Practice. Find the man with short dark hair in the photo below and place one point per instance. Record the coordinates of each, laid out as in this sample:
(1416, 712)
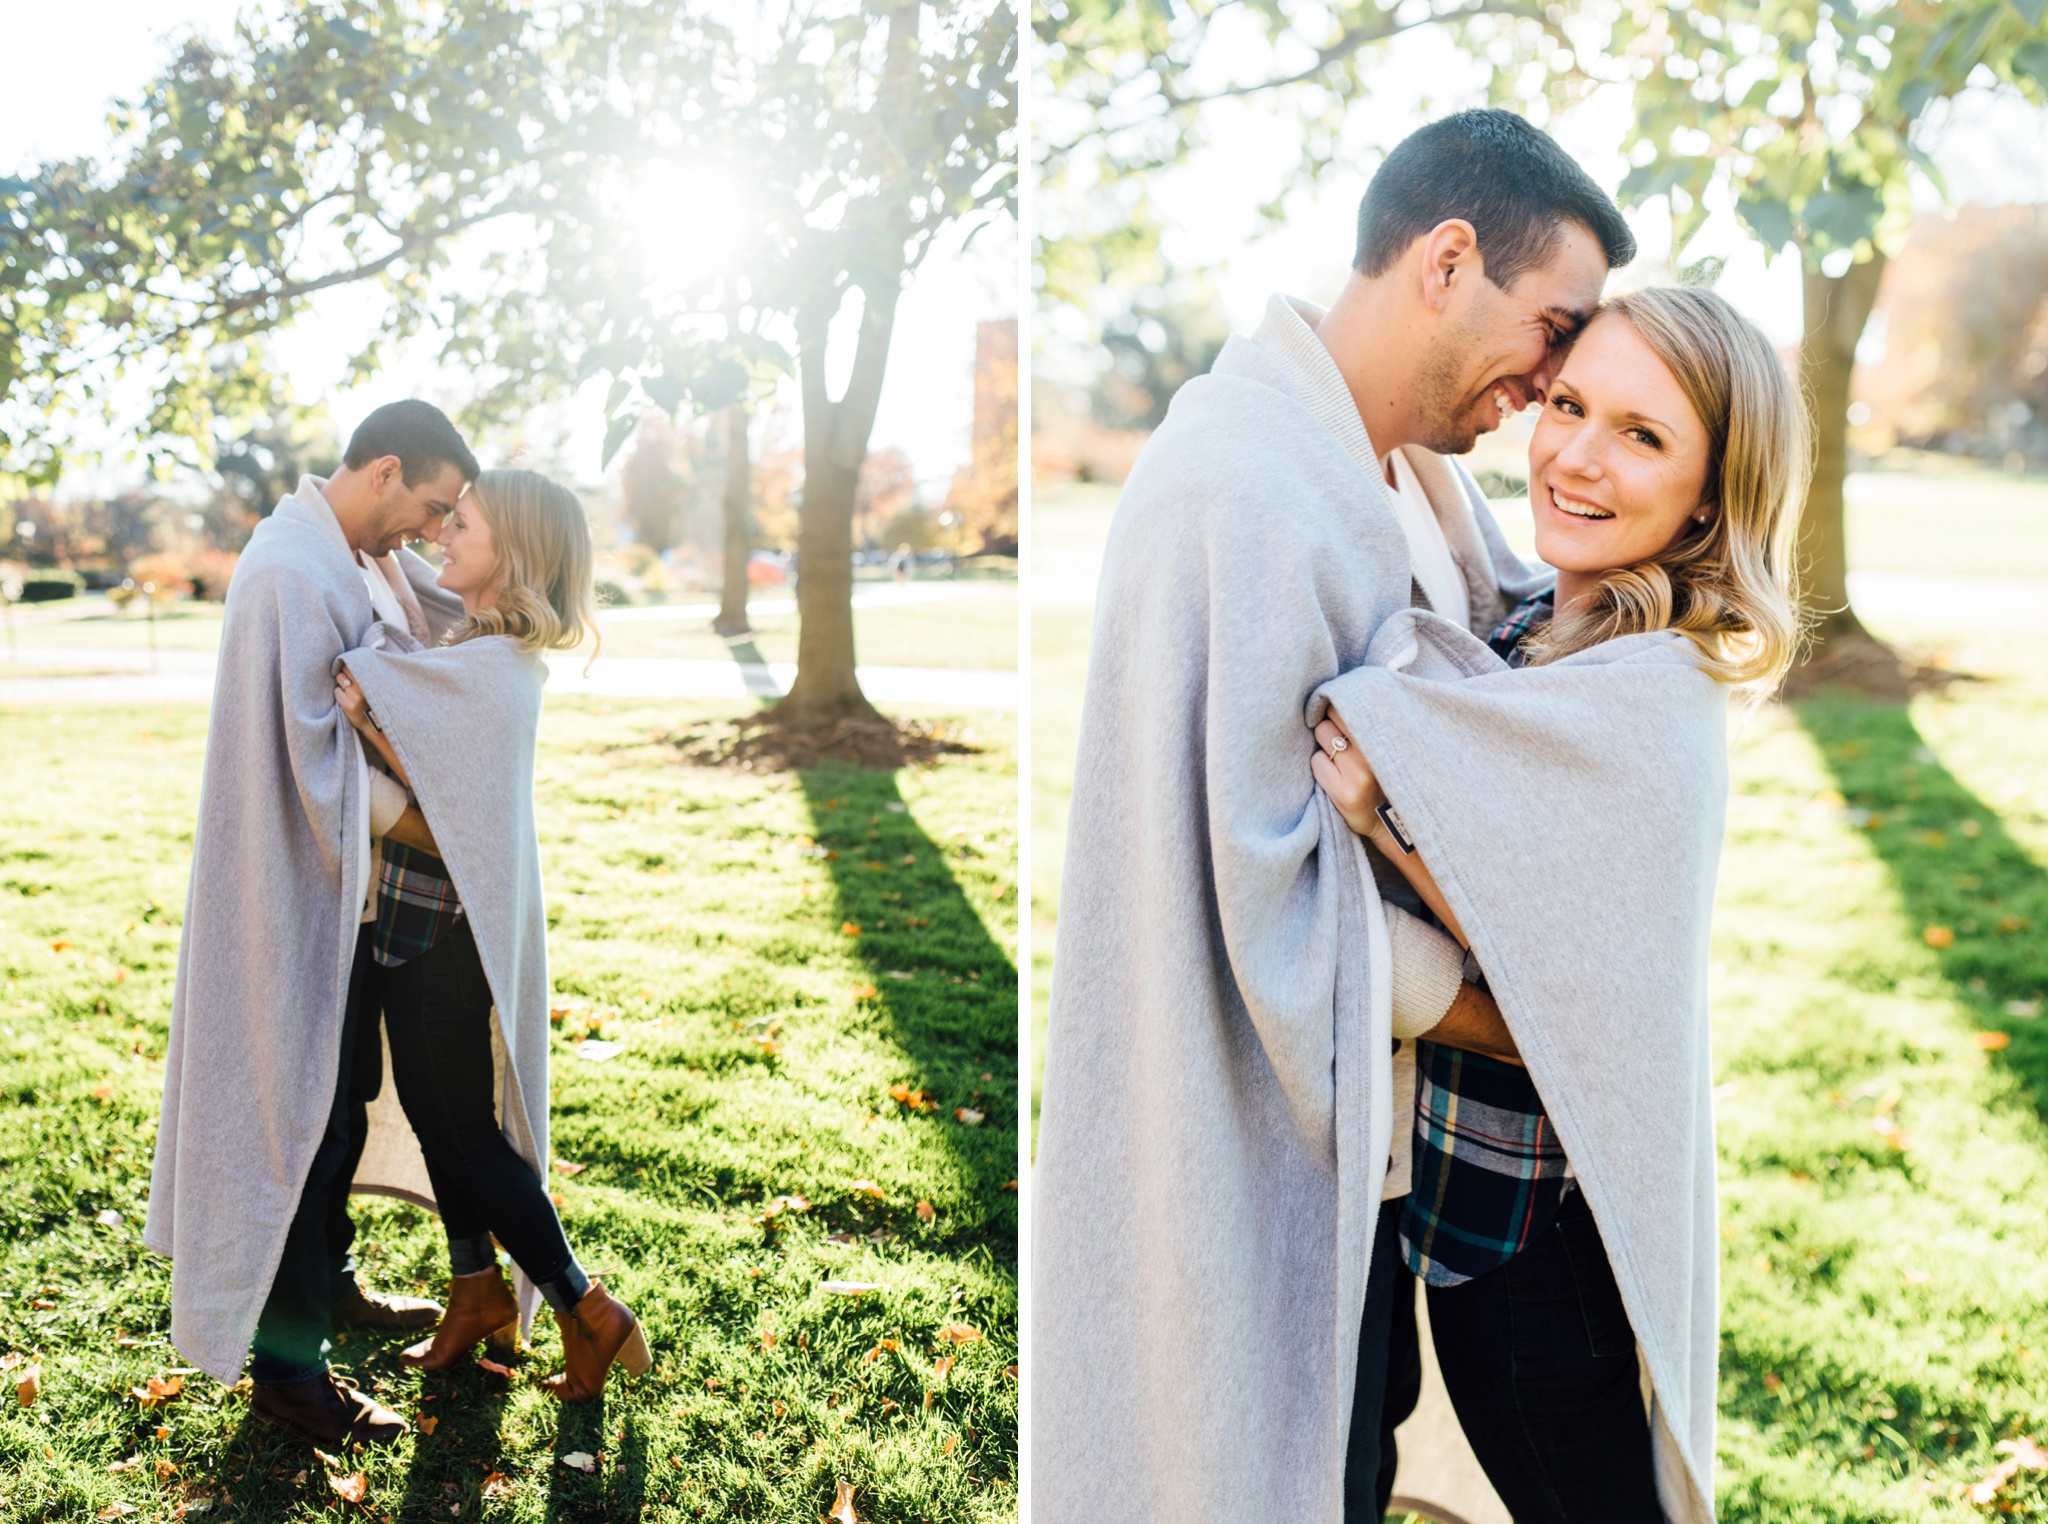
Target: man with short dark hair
(1229, 1072)
(274, 1062)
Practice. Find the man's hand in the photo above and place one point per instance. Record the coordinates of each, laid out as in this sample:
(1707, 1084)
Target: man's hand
(1474, 1024)
(411, 830)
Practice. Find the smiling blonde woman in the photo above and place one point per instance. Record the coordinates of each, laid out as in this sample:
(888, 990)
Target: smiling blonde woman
(1560, 1213)
(460, 941)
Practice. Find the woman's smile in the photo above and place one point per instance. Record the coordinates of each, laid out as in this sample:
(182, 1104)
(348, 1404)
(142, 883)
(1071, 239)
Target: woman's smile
(1576, 507)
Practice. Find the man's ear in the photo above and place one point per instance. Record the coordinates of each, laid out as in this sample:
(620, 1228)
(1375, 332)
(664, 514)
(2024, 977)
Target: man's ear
(1450, 260)
(386, 470)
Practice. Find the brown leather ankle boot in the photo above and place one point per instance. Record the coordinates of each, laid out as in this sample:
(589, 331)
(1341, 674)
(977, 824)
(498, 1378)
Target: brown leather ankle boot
(599, 1331)
(480, 1307)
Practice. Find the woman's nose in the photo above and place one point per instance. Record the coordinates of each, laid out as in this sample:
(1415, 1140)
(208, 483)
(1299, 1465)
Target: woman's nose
(1581, 456)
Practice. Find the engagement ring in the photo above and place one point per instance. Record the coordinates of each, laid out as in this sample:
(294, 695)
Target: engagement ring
(1340, 744)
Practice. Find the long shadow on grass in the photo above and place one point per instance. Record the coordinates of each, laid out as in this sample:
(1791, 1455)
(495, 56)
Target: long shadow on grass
(1970, 890)
(946, 992)
(468, 1406)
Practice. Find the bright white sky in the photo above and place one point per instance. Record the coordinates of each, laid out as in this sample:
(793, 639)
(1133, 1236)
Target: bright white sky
(1992, 151)
(68, 61)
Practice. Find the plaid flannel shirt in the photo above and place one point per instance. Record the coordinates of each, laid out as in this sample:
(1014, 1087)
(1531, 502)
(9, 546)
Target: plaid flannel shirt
(1489, 1173)
(416, 904)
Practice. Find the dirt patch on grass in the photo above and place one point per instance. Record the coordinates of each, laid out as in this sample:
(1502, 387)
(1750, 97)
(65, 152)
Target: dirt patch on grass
(749, 746)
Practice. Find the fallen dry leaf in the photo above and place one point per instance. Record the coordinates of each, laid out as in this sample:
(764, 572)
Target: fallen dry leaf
(298, 1478)
(967, 1116)
(28, 1385)
(1009, 1185)
(117, 1511)
(581, 1460)
(1938, 936)
(1010, 1371)
(165, 1470)
(103, 1093)
(886, 1347)
(2021, 1454)
(132, 1463)
(865, 992)
(198, 1502)
(564, 1167)
(868, 1188)
(428, 1424)
(162, 1432)
(943, 1364)
(849, 928)
(846, 1288)
(924, 1211)
(493, 1367)
(842, 1506)
(952, 1443)
(161, 1389)
(64, 947)
(1991, 1042)
(960, 1333)
(350, 1488)
(9, 1360)
(498, 1485)
(558, 1198)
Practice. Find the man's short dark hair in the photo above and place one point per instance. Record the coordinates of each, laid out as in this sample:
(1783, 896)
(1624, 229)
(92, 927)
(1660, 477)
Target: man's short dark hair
(1492, 169)
(418, 433)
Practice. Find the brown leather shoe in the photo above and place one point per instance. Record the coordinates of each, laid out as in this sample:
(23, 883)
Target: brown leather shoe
(480, 1306)
(374, 1309)
(600, 1330)
(329, 1411)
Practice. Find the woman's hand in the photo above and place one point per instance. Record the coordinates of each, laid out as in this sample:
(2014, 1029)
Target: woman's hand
(348, 697)
(1353, 787)
(1340, 767)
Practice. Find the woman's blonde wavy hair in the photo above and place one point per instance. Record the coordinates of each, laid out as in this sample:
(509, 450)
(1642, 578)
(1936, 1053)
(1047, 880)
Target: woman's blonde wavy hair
(1728, 585)
(547, 595)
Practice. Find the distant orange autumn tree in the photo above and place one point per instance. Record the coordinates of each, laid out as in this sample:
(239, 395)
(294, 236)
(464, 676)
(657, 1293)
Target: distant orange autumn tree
(1965, 364)
(984, 491)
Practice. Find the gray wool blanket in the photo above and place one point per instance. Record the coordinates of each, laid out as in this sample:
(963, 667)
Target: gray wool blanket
(465, 720)
(270, 929)
(1572, 815)
(1216, 1112)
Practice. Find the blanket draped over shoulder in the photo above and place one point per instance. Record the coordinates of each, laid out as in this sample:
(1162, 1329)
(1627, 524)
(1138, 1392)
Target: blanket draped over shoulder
(1216, 1104)
(465, 720)
(1572, 814)
(270, 931)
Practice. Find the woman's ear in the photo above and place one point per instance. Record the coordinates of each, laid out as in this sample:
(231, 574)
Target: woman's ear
(1704, 514)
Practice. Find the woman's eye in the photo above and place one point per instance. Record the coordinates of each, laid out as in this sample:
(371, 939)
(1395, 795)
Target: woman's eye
(1644, 436)
(1567, 406)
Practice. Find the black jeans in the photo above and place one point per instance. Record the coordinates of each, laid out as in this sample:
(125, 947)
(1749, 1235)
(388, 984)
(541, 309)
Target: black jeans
(292, 1331)
(1540, 1364)
(1389, 1375)
(437, 1013)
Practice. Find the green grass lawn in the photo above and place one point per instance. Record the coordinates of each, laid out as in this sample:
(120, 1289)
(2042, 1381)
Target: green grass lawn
(975, 630)
(973, 627)
(776, 953)
(1880, 997)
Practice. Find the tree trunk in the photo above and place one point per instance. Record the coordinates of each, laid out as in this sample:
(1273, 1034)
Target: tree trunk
(1843, 652)
(739, 491)
(826, 689)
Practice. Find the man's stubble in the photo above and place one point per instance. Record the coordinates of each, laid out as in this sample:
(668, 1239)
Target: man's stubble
(1443, 403)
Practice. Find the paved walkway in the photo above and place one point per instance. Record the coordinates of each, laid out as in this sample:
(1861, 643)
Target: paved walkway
(122, 676)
